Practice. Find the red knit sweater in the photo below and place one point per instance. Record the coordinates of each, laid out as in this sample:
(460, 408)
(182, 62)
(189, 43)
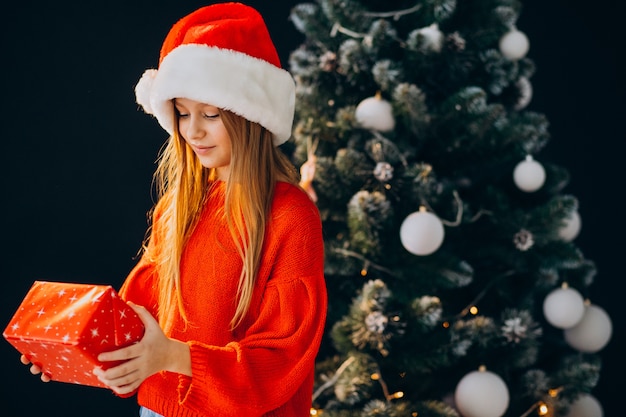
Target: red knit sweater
(266, 366)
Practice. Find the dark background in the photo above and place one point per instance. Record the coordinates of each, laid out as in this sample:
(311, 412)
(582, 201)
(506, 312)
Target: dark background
(78, 157)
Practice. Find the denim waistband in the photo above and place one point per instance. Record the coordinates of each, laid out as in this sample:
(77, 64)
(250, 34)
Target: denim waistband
(144, 412)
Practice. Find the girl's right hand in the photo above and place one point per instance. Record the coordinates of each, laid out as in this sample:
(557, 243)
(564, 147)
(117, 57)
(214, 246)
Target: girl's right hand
(34, 369)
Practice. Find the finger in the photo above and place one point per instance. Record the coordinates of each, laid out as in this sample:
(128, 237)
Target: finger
(117, 372)
(126, 389)
(119, 377)
(24, 360)
(143, 314)
(123, 354)
(34, 369)
(45, 377)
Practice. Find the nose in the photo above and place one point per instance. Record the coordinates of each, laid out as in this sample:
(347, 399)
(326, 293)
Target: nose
(194, 129)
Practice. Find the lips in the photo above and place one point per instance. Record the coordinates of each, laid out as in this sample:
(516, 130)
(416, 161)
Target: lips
(202, 149)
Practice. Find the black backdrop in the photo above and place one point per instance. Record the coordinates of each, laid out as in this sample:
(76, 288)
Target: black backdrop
(77, 156)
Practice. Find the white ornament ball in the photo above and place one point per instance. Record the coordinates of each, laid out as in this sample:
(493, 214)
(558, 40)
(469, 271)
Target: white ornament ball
(571, 228)
(564, 307)
(592, 333)
(421, 233)
(586, 405)
(514, 45)
(529, 175)
(481, 394)
(375, 113)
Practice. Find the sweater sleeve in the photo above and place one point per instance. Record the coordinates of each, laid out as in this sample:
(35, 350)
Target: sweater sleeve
(140, 286)
(265, 368)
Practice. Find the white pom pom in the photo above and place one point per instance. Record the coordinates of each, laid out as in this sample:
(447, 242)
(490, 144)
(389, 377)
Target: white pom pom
(481, 394)
(421, 233)
(143, 90)
(529, 175)
(564, 307)
(432, 36)
(514, 45)
(375, 113)
(593, 331)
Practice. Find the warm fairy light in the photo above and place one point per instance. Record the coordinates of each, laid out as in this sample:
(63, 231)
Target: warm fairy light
(554, 392)
(414, 414)
(388, 186)
(313, 412)
(375, 376)
(395, 318)
(473, 310)
(397, 395)
(445, 324)
(331, 102)
(366, 265)
(543, 409)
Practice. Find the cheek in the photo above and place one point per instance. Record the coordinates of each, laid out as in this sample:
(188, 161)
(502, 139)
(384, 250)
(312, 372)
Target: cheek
(182, 128)
(223, 136)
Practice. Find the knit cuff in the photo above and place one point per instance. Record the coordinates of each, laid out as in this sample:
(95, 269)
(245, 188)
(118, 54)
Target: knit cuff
(188, 394)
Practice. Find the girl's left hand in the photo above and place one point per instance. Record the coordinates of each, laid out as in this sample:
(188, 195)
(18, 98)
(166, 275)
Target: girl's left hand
(155, 352)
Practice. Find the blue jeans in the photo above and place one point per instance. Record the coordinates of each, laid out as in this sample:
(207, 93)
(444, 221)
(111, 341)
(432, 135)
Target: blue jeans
(144, 412)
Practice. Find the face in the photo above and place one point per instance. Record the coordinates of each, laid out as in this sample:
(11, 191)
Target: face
(201, 126)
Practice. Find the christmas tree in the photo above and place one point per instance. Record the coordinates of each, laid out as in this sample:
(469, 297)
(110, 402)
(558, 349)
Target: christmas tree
(456, 287)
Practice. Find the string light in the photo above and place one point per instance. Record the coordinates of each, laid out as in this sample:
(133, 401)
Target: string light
(367, 262)
(543, 409)
(445, 324)
(492, 282)
(554, 392)
(473, 310)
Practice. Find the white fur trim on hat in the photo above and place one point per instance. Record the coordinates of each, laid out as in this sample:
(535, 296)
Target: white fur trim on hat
(230, 80)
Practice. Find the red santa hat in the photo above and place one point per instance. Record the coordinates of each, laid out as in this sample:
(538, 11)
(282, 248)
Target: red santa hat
(221, 55)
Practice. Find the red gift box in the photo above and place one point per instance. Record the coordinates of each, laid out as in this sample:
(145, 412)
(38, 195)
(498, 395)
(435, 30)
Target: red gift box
(63, 327)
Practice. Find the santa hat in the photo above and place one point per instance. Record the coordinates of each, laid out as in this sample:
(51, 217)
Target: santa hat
(221, 55)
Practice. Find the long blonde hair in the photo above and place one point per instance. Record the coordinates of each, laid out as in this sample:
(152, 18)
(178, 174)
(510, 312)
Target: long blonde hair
(183, 184)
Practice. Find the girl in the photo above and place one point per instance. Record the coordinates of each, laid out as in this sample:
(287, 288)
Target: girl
(230, 284)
